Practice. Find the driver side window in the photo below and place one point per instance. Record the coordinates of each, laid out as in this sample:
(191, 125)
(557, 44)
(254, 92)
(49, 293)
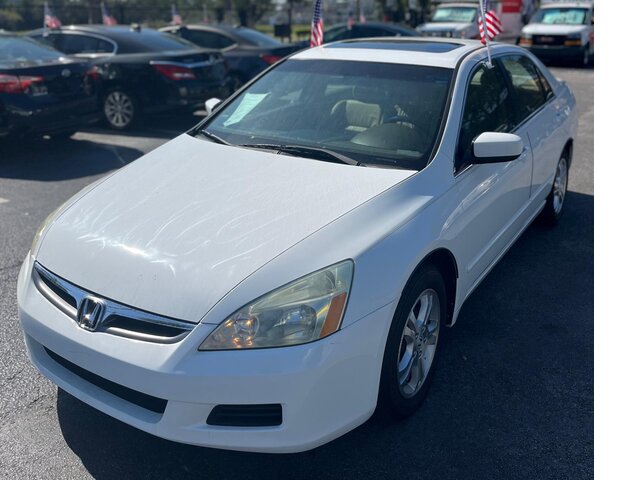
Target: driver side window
(485, 110)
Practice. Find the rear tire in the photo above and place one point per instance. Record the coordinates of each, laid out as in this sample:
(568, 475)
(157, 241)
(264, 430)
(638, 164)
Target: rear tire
(554, 206)
(120, 109)
(411, 352)
(585, 58)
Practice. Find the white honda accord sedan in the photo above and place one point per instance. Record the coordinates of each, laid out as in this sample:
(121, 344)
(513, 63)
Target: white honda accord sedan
(268, 279)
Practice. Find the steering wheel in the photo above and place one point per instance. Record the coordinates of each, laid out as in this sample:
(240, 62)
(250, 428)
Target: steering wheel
(401, 119)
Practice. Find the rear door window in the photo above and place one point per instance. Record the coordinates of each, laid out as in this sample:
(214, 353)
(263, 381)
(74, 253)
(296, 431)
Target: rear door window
(530, 91)
(74, 44)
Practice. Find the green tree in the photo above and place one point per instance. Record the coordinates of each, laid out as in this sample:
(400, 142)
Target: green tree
(250, 11)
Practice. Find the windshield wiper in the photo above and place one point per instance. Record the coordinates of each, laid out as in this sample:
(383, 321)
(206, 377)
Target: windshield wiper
(213, 137)
(317, 153)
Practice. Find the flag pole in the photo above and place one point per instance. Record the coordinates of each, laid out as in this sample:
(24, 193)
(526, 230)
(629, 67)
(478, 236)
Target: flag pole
(483, 16)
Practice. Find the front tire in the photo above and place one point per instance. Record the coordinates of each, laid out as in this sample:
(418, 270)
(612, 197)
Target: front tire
(120, 109)
(411, 351)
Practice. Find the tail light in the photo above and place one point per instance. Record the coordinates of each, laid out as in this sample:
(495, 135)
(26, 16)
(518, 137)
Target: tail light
(175, 72)
(18, 84)
(270, 59)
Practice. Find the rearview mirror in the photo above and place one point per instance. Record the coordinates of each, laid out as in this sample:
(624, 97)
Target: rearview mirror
(210, 104)
(494, 147)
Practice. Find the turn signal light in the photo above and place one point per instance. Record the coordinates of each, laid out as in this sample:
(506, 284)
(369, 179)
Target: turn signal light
(17, 84)
(175, 72)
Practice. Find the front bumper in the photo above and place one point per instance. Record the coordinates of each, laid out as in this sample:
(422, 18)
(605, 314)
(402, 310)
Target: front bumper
(326, 388)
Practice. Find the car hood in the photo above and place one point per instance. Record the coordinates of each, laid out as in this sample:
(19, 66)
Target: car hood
(176, 230)
(544, 29)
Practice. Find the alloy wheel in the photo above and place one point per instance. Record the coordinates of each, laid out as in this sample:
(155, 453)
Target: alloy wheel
(560, 186)
(118, 109)
(418, 343)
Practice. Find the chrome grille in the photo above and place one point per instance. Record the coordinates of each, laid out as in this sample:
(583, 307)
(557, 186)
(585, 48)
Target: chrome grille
(117, 319)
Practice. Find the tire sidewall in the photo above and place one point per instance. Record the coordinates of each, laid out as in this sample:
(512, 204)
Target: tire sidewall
(390, 399)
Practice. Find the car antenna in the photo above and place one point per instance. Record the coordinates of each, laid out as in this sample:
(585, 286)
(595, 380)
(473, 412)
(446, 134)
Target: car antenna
(495, 27)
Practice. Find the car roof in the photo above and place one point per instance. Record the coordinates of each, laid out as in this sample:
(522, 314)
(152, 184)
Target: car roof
(406, 50)
(116, 32)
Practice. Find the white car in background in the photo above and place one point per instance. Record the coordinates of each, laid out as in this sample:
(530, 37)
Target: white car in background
(561, 31)
(453, 20)
(267, 280)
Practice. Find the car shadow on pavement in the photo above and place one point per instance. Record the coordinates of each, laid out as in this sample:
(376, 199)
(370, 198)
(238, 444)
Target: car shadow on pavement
(54, 160)
(512, 397)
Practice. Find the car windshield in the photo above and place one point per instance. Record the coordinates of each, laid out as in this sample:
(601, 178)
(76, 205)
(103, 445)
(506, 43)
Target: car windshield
(455, 14)
(380, 114)
(15, 51)
(561, 16)
(256, 38)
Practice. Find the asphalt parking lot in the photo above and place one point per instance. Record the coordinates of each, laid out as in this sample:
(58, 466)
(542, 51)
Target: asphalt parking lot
(513, 394)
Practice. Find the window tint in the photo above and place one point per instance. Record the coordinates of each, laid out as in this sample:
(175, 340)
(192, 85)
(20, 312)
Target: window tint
(485, 110)
(49, 39)
(530, 93)
(335, 34)
(365, 31)
(254, 37)
(74, 44)
(15, 51)
(148, 40)
(209, 39)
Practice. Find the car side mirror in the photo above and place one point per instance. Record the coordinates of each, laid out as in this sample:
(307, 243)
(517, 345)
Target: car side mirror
(210, 104)
(495, 147)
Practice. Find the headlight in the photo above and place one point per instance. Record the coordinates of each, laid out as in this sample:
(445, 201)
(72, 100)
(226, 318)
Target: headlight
(302, 311)
(573, 40)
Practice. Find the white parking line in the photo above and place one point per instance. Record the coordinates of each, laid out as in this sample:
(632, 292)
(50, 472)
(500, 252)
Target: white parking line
(3, 200)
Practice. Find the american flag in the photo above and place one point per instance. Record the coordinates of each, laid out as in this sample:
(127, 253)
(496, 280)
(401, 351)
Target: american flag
(494, 25)
(107, 19)
(316, 25)
(176, 19)
(50, 19)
